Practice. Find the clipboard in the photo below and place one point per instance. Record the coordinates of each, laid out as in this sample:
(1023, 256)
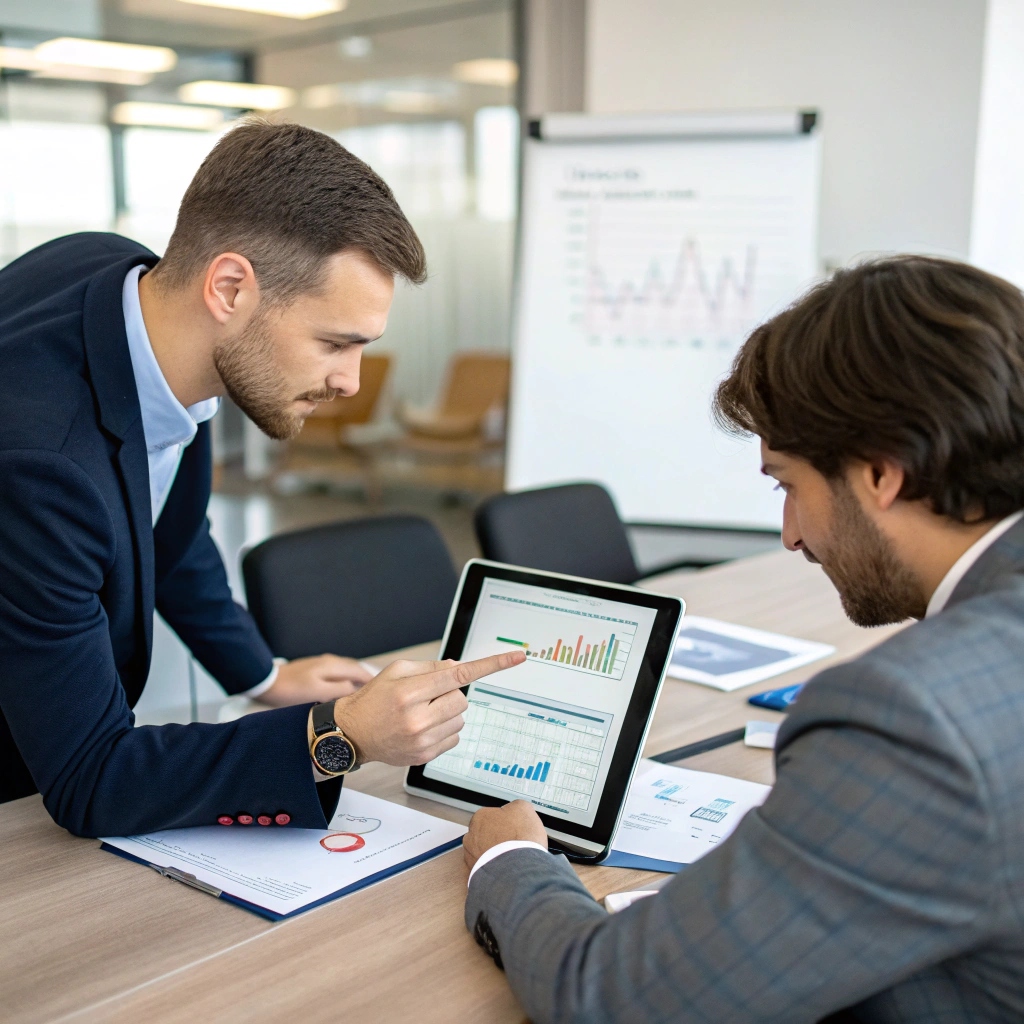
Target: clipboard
(189, 879)
(280, 872)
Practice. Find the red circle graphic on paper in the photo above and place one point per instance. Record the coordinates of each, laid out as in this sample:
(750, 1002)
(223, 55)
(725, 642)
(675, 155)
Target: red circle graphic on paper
(342, 842)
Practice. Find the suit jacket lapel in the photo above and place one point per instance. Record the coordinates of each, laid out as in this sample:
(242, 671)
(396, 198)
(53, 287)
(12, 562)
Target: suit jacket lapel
(113, 382)
(1006, 556)
(185, 508)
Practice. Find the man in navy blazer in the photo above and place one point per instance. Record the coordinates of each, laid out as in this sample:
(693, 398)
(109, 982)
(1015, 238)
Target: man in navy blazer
(280, 269)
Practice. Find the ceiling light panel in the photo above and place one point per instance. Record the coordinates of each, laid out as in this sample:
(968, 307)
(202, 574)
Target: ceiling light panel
(27, 60)
(239, 95)
(97, 53)
(413, 95)
(167, 115)
(356, 47)
(108, 76)
(487, 71)
(19, 59)
(300, 9)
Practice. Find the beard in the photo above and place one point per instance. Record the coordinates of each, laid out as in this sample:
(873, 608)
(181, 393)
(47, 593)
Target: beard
(253, 379)
(875, 587)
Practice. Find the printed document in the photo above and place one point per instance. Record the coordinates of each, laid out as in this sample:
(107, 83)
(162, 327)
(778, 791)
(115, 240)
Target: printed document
(678, 815)
(727, 656)
(286, 869)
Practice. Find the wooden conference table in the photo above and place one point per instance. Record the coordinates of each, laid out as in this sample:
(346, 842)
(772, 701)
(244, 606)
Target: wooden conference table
(87, 936)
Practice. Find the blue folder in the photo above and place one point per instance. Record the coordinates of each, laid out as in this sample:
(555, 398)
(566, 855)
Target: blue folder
(272, 915)
(630, 860)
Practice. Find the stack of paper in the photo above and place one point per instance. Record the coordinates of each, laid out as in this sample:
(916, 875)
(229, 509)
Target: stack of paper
(674, 816)
(278, 871)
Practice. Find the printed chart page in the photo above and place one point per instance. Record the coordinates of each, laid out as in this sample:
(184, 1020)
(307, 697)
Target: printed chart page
(284, 870)
(546, 730)
(676, 815)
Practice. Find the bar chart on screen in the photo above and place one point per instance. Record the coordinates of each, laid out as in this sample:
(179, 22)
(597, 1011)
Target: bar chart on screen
(532, 747)
(591, 656)
(577, 637)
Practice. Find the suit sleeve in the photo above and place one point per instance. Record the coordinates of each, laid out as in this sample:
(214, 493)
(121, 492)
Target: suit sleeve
(195, 601)
(63, 700)
(871, 860)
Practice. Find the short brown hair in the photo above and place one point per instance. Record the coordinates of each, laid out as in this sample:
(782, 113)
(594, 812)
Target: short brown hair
(912, 358)
(287, 197)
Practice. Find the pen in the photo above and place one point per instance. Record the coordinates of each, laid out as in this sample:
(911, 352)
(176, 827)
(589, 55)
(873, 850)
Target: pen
(186, 878)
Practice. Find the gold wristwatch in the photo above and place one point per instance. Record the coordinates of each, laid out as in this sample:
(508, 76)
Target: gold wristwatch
(332, 751)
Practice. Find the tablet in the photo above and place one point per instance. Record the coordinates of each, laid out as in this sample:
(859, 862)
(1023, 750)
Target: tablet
(565, 729)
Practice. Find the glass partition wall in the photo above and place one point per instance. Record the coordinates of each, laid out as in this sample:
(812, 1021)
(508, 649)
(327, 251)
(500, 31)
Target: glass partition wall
(423, 90)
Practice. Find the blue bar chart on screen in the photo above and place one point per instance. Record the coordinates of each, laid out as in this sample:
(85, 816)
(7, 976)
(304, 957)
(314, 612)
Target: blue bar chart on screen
(532, 747)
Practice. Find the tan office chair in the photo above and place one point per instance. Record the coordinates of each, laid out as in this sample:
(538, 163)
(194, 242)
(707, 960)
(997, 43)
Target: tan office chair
(327, 424)
(476, 384)
(324, 450)
(457, 445)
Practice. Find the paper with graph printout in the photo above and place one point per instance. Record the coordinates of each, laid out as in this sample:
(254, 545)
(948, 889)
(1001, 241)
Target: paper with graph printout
(727, 656)
(285, 869)
(677, 815)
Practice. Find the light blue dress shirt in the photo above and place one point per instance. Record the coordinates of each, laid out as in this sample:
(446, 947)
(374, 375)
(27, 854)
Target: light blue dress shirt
(167, 425)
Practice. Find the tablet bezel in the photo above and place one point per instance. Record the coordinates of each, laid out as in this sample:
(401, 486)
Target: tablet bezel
(585, 843)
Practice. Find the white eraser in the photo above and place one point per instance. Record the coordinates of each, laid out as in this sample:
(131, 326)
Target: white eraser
(616, 901)
(761, 734)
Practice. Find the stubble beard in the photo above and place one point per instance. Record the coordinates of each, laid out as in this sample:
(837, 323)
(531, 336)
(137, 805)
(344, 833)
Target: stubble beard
(255, 383)
(875, 587)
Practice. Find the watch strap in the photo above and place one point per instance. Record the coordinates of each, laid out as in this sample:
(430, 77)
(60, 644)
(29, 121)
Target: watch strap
(323, 718)
(323, 723)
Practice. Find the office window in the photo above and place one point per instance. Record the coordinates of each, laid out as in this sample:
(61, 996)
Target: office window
(425, 164)
(54, 179)
(158, 165)
(496, 155)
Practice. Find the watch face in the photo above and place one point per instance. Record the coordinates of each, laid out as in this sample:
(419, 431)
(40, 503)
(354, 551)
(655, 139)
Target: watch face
(334, 754)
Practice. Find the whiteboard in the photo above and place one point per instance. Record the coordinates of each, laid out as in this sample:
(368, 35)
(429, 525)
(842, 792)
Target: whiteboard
(643, 265)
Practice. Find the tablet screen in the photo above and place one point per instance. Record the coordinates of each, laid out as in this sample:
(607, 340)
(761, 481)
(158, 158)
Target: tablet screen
(546, 731)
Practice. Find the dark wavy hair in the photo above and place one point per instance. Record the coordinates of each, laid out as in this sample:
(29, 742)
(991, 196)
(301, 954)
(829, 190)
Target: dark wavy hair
(911, 358)
(286, 198)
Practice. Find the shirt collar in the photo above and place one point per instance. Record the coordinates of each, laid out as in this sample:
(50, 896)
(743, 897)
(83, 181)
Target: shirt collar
(960, 567)
(165, 421)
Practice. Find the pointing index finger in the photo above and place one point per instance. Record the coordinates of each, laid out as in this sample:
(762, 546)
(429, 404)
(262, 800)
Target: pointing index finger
(466, 672)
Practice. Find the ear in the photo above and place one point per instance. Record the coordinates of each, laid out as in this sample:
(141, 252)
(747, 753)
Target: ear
(229, 288)
(877, 482)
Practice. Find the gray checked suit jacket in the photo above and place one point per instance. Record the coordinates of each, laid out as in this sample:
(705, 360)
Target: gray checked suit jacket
(884, 876)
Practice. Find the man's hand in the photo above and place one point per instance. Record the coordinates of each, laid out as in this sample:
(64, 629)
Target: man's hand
(412, 711)
(324, 677)
(493, 825)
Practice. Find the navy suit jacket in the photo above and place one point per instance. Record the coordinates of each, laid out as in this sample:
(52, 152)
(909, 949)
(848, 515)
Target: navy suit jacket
(82, 569)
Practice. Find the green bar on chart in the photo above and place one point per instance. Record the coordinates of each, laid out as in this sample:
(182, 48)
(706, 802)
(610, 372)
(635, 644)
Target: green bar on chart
(604, 667)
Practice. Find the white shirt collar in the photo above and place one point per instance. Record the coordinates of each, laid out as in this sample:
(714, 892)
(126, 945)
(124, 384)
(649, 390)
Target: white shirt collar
(165, 421)
(960, 567)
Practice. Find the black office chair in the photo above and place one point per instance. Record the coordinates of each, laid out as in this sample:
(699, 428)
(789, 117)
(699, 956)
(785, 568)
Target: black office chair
(574, 529)
(355, 588)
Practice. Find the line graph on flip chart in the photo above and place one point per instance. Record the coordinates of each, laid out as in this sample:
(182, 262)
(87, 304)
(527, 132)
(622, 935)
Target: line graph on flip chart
(643, 267)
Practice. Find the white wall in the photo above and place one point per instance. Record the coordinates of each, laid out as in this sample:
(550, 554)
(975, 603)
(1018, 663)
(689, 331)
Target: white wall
(997, 235)
(897, 83)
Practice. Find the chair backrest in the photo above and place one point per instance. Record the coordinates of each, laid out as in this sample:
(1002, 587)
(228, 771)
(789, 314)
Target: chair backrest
(573, 529)
(373, 372)
(354, 588)
(476, 381)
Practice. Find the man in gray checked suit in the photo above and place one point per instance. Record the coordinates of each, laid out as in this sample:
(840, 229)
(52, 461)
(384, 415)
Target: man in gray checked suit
(883, 879)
